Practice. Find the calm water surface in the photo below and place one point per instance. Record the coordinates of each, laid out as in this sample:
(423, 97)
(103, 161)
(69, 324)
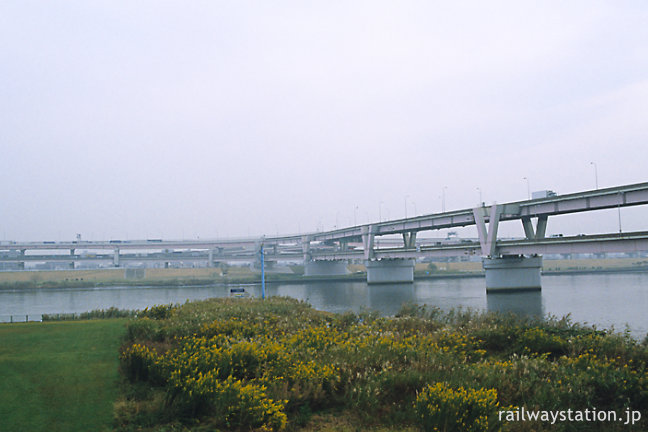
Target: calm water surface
(604, 300)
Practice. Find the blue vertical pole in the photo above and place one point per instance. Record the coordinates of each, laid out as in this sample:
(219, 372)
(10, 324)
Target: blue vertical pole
(262, 273)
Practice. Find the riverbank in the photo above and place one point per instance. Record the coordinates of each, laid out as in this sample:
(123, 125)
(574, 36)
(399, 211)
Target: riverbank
(279, 364)
(161, 277)
(15, 280)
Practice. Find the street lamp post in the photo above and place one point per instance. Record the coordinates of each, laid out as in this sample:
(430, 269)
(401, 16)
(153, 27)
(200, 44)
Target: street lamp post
(619, 211)
(443, 189)
(595, 173)
(480, 196)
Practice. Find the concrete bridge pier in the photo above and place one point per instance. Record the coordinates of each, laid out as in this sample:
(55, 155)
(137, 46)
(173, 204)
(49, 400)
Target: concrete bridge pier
(321, 268)
(21, 264)
(268, 251)
(508, 273)
(267, 263)
(390, 271)
(325, 268)
(116, 257)
(512, 273)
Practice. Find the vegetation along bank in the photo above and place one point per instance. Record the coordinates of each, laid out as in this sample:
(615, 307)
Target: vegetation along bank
(248, 364)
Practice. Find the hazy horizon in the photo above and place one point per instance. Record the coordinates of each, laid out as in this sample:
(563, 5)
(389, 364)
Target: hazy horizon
(227, 119)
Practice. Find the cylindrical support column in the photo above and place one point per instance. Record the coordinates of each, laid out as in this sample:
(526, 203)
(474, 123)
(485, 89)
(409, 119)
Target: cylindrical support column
(257, 254)
(390, 271)
(305, 244)
(116, 257)
(511, 274)
(325, 268)
(210, 259)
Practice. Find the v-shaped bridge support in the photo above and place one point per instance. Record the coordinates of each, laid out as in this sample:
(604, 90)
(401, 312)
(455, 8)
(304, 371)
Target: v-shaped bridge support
(541, 228)
(487, 237)
(409, 240)
(508, 273)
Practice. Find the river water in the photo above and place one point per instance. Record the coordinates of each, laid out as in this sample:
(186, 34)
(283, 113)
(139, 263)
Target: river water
(605, 300)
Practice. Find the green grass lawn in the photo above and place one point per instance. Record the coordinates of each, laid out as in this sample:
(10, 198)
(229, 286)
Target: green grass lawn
(59, 376)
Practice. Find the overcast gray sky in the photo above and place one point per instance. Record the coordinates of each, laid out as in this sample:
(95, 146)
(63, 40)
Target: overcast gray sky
(170, 119)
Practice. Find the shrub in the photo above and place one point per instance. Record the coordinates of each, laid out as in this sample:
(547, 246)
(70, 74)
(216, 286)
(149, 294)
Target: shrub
(498, 338)
(232, 403)
(442, 408)
(111, 312)
(157, 312)
(240, 364)
(144, 329)
(537, 340)
(137, 362)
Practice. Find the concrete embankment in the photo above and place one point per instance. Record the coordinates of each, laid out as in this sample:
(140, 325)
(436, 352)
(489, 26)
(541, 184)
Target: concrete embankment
(100, 277)
(198, 276)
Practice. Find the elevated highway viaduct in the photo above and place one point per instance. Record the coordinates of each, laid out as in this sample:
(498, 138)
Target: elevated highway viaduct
(508, 264)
